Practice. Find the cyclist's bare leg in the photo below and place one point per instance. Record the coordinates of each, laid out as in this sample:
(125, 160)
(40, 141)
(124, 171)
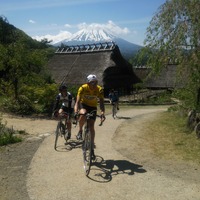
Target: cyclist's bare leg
(60, 111)
(81, 119)
(69, 125)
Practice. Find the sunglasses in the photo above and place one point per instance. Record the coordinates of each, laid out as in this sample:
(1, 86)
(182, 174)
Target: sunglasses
(93, 82)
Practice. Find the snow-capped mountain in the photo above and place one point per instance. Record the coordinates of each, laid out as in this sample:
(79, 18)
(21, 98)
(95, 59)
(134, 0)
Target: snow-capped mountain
(90, 36)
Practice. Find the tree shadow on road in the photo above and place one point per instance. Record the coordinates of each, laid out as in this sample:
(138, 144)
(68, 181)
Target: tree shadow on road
(104, 170)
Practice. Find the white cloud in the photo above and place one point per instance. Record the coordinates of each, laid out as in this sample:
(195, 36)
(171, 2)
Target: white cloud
(67, 26)
(32, 21)
(55, 38)
(109, 26)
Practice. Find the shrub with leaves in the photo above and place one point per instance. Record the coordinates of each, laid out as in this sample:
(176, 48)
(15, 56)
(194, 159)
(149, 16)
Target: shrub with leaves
(7, 136)
(22, 105)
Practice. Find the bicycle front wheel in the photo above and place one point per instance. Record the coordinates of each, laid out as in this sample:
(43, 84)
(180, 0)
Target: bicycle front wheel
(87, 157)
(59, 130)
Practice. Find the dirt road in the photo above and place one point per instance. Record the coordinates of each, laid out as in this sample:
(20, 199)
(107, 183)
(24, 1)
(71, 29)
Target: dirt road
(124, 168)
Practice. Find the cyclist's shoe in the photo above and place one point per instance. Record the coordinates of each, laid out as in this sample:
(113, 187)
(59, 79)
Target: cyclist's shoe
(93, 155)
(79, 136)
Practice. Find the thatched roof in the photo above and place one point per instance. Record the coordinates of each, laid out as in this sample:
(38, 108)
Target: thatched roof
(167, 78)
(112, 70)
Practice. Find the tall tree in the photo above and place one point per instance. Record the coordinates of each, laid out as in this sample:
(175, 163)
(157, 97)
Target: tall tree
(173, 37)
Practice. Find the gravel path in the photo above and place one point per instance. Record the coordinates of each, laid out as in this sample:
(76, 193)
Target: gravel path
(59, 174)
(124, 168)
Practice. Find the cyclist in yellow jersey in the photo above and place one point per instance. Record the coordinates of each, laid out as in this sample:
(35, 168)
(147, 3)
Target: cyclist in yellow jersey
(86, 101)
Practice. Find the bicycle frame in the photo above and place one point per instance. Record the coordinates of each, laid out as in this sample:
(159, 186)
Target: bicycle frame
(87, 143)
(61, 129)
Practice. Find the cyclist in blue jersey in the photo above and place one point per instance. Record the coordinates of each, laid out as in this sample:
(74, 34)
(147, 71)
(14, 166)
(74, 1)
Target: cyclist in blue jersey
(114, 97)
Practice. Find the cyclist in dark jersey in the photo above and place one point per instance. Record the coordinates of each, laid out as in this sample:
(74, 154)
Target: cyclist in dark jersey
(64, 103)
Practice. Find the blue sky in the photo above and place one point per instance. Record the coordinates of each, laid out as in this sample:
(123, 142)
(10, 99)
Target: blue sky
(58, 19)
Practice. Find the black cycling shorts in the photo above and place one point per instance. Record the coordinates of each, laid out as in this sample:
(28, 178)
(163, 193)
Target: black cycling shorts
(67, 110)
(89, 109)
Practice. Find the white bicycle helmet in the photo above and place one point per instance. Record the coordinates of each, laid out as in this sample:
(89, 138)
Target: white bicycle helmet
(91, 78)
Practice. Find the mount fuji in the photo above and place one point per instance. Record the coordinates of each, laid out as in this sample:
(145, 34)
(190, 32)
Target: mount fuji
(91, 36)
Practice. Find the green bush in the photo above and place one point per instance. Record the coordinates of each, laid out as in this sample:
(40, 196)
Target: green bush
(34, 99)
(7, 136)
(186, 97)
(22, 105)
(41, 97)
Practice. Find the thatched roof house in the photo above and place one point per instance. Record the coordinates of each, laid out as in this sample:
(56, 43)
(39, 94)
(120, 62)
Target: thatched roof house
(168, 78)
(71, 65)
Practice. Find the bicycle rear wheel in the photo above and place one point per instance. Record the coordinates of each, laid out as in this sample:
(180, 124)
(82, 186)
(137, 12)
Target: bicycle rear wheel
(87, 157)
(59, 130)
(114, 111)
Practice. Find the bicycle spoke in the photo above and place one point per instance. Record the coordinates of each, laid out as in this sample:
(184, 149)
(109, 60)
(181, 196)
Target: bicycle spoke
(87, 153)
(59, 133)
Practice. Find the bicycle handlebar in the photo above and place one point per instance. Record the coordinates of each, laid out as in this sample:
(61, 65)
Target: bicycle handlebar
(103, 118)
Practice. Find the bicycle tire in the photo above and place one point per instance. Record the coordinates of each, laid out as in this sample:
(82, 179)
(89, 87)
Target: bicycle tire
(66, 134)
(114, 111)
(59, 130)
(197, 130)
(87, 148)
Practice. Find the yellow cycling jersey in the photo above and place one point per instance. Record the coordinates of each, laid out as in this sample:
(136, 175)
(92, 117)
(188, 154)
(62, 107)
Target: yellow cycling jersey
(90, 97)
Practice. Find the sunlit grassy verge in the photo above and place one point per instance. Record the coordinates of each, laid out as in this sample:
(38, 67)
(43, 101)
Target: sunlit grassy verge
(169, 138)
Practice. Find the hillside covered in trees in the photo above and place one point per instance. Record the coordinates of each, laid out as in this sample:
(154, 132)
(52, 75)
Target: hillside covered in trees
(23, 75)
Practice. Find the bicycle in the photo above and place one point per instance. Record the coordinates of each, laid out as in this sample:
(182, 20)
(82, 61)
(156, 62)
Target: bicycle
(87, 142)
(114, 110)
(61, 129)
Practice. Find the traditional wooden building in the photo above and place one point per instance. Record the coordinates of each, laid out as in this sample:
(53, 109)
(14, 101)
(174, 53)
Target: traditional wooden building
(168, 78)
(72, 64)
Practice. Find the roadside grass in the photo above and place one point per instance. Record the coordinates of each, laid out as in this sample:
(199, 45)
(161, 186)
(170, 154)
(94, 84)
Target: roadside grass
(169, 138)
(9, 135)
